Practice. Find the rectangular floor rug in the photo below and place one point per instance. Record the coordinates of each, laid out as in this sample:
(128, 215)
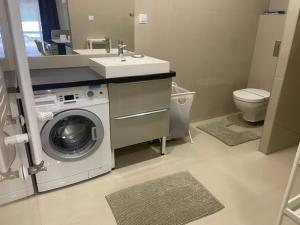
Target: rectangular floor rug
(172, 200)
(221, 130)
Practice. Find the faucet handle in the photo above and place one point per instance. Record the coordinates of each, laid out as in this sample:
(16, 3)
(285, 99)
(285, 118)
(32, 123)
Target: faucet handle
(121, 43)
(107, 40)
(107, 44)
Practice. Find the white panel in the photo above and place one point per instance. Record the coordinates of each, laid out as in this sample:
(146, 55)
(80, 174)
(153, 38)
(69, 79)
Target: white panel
(7, 154)
(12, 190)
(264, 64)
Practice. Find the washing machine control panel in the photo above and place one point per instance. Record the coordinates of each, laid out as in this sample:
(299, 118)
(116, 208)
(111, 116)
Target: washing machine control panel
(68, 97)
(81, 94)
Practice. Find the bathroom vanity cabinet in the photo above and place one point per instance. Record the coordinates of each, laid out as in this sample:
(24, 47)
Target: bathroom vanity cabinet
(139, 111)
(139, 106)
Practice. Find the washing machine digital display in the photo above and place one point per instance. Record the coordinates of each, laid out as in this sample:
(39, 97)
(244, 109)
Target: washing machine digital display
(69, 97)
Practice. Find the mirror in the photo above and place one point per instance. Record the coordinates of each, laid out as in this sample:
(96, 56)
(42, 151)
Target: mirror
(68, 27)
(2, 54)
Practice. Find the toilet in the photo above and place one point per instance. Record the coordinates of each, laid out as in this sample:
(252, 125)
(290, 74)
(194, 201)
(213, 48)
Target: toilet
(252, 103)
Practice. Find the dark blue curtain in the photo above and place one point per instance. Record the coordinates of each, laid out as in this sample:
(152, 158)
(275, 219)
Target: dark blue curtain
(49, 18)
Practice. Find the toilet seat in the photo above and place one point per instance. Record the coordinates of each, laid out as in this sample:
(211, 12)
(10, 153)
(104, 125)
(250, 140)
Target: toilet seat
(252, 95)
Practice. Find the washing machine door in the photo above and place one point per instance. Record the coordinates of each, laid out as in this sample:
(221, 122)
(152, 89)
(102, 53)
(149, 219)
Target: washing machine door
(72, 135)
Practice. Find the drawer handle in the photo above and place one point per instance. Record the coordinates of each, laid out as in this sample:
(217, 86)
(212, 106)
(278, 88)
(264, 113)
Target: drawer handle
(141, 114)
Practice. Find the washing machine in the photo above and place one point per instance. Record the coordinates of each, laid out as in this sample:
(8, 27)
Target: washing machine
(76, 138)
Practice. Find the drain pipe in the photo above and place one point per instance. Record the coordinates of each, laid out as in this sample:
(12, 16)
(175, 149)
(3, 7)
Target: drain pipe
(24, 80)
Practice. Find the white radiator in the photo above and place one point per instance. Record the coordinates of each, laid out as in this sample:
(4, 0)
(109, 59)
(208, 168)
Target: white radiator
(7, 153)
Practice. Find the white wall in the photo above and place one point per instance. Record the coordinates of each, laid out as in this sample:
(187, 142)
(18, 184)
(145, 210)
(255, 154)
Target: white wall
(264, 64)
(282, 125)
(209, 43)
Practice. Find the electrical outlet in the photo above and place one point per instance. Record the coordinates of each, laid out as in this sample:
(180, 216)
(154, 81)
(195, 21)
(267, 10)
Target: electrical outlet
(143, 18)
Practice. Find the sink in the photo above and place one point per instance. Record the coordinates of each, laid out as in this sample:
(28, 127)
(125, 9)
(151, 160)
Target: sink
(113, 67)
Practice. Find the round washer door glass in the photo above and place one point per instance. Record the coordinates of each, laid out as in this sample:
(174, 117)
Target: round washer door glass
(72, 135)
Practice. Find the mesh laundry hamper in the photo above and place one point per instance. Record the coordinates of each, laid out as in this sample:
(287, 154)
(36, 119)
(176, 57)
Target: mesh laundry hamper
(181, 104)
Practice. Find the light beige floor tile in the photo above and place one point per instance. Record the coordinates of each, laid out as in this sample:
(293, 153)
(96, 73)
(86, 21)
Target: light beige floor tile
(249, 183)
(24, 212)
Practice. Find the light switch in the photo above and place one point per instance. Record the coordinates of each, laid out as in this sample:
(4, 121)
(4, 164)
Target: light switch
(143, 19)
(91, 18)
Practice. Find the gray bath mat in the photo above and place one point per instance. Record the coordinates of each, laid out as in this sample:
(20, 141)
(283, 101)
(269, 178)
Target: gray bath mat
(173, 200)
(221, 130)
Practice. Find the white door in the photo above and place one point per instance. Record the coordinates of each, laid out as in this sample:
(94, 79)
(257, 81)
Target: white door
(72, 135)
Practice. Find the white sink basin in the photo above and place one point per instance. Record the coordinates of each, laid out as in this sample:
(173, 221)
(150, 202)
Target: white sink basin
(112, 67)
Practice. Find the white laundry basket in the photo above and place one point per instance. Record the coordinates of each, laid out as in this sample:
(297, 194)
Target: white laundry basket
(181, 104)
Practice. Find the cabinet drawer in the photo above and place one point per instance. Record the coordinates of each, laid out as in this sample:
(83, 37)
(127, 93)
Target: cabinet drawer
(138, 128)
(138, 97)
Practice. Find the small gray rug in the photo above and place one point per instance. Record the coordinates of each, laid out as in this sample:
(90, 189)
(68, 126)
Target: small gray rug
(173, 200)
(221, 130)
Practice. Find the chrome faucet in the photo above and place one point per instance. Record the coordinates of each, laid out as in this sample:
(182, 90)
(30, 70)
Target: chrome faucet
(121, 48)
(107, 44)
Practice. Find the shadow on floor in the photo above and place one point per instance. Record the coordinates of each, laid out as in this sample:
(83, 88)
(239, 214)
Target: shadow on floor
(134, 154)
(146, 151)
(236, 119)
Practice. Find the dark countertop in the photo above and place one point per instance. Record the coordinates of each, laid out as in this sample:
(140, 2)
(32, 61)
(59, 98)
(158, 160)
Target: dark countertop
(46, 79)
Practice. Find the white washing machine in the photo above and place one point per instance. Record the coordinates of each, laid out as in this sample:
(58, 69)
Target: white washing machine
(76, 142)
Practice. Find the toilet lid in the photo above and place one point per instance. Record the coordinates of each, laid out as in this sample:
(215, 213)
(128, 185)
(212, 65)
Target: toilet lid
(252, 95)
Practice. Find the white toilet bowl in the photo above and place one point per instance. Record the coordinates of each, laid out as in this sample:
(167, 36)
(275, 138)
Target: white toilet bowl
(252, 103)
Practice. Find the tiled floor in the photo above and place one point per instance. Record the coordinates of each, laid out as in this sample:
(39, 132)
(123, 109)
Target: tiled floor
(247, 182)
